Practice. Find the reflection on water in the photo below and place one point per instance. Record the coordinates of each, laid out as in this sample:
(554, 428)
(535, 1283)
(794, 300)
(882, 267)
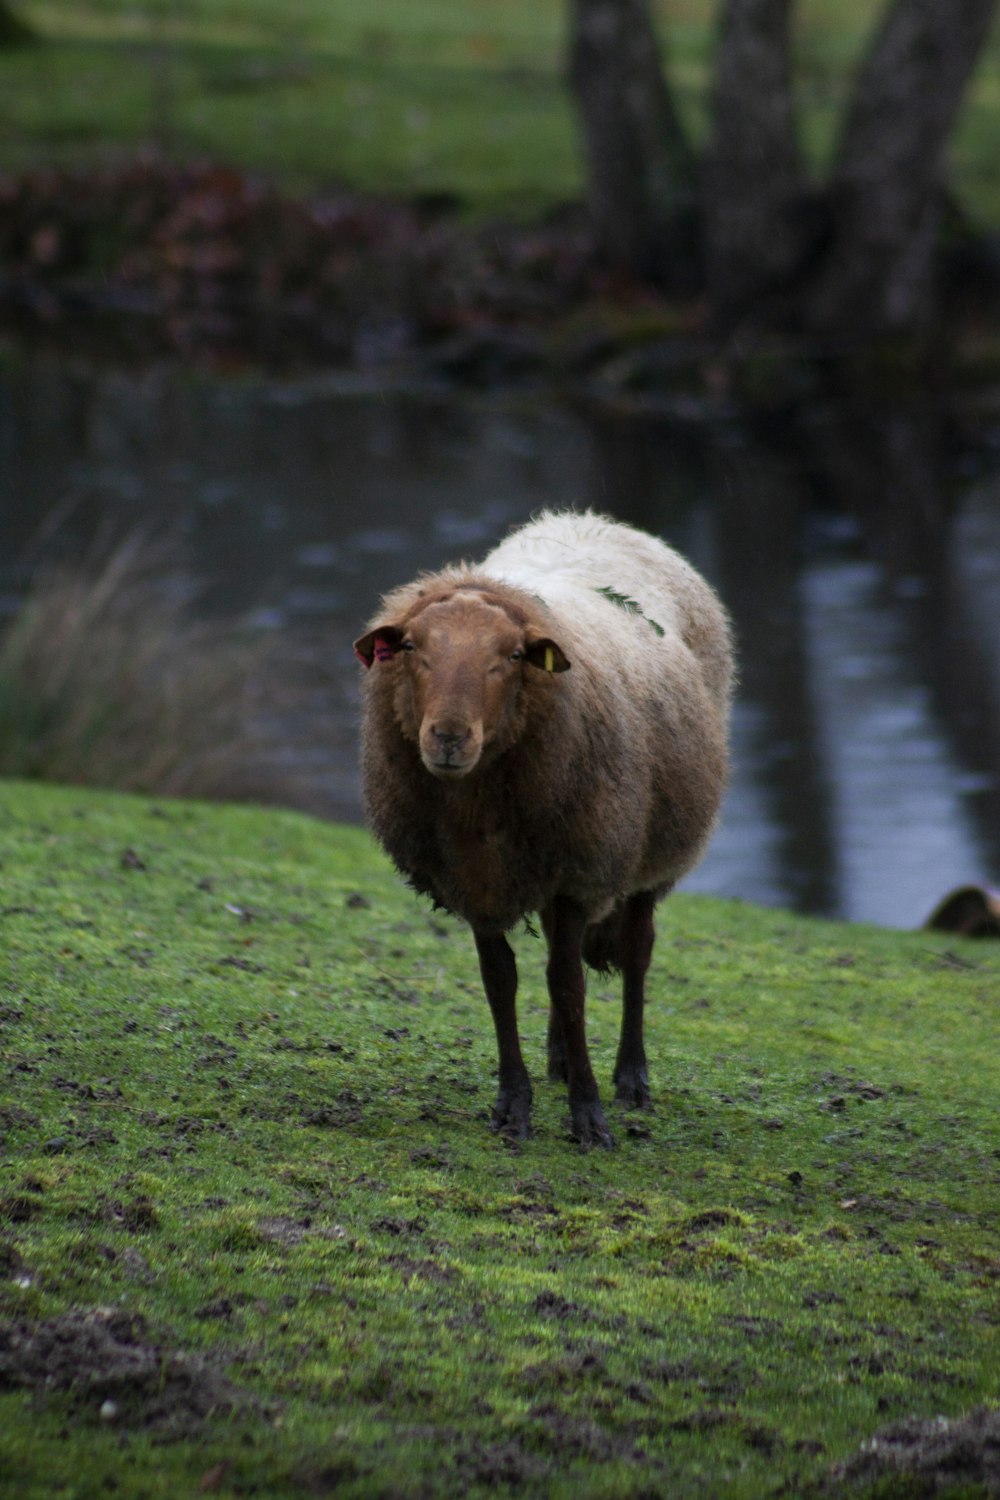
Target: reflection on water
(862, 571)
(895, 797)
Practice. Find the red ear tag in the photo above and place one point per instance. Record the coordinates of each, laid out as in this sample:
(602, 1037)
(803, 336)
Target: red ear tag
(382, 650)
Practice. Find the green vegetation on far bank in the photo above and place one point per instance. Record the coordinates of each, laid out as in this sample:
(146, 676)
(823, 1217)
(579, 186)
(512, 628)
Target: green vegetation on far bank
(453, 98)
(257, 1238)
(456, 97)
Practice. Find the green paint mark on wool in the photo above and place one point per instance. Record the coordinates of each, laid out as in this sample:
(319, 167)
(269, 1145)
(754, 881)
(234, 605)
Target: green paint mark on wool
(631, 607)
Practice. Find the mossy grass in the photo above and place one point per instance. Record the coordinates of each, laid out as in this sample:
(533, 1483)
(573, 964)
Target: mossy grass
(246, 1086)
(461, 97)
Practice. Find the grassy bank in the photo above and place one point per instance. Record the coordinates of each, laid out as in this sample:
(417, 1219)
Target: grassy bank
(258, 1238)
(460, 97)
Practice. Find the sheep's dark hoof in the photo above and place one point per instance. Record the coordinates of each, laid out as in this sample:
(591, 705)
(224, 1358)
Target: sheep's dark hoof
(632, 1088)
(589, 1126)
(512, 1114)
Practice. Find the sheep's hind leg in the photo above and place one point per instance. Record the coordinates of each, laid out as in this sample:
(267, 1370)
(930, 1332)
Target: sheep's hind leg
(497, 965)
(631, 1077)
(556, 1047)
(565, 925)
(558, 1066)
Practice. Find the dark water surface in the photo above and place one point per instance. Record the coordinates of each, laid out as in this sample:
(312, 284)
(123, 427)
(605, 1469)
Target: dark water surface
(857, 546)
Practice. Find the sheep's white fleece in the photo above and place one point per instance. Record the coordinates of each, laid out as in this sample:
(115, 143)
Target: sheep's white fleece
(566, 558)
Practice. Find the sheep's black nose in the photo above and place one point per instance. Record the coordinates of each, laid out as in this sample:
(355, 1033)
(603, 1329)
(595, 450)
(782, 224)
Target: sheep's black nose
(448, 740)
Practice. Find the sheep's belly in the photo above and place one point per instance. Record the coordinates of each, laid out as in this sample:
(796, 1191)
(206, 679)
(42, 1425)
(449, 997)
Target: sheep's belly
(493, 880)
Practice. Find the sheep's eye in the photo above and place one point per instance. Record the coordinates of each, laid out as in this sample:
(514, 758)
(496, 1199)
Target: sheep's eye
(517, 655)
(407, 646)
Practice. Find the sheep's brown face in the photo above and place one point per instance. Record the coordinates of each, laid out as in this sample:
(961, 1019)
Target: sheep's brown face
(460, 664)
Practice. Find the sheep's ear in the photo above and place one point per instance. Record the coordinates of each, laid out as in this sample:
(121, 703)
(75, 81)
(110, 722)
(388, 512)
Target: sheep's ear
(380, 644)
(545, 653)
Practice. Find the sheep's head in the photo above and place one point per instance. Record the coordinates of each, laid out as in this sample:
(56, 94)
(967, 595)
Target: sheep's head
(460, 662)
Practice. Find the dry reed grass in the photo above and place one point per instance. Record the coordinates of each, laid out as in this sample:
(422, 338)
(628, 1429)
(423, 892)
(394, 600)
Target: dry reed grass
(107, 679)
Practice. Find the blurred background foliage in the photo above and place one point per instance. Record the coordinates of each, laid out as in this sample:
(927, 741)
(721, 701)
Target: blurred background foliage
(462, 98)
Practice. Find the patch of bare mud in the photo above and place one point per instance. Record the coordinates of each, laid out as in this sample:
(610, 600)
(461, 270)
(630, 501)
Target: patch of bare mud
(927, 1458)
(110, 1367)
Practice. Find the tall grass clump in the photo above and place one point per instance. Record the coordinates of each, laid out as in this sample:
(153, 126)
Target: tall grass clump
(108, 680)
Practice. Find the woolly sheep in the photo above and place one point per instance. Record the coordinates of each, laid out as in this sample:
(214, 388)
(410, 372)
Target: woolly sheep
(546, 732)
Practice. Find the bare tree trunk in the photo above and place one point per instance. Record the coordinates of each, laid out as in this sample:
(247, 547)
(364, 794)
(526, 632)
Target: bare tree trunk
(14, 32)
(753, 182)
(641, 170)
(886, 192)
(854, 259)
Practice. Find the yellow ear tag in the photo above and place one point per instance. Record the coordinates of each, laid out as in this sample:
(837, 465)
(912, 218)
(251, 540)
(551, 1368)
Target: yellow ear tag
(550, 659)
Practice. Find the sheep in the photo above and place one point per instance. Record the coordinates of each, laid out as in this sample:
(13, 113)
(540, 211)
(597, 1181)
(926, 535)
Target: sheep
(547, 732)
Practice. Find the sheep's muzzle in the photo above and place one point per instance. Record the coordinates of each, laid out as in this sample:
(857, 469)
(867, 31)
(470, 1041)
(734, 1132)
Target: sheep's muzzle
(450, 751)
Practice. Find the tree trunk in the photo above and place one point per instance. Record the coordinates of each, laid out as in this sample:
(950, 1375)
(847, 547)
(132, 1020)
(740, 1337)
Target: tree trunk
(753, 181)
(13, 31)
(641, 171)
(886, 192)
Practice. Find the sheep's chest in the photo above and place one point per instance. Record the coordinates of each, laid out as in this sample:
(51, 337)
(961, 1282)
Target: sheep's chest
(498, 858)
(479, 870)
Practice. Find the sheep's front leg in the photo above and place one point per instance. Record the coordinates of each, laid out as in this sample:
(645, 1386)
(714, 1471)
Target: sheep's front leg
(497, 965)
(631, 1077)
(565, 925)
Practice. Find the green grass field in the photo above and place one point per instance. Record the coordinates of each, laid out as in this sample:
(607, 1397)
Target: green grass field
(463, 97)
(259, 1239)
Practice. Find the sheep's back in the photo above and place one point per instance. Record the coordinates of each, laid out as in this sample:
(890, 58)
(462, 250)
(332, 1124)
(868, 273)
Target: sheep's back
(590, 570)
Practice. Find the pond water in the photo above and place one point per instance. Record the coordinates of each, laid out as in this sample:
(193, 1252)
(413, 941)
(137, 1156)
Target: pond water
(856, 545)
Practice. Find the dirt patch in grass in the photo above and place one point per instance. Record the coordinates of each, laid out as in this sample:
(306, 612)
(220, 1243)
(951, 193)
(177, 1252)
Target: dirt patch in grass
(110, 1365)
(935, 1456)
(548, 1441)
(426, 1270)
